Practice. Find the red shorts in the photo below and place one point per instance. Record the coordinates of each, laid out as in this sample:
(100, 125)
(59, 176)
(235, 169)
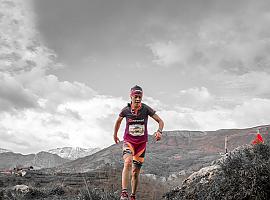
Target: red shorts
(136, 150)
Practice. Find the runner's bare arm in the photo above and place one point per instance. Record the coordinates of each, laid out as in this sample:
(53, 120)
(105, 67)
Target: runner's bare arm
(116, 128)
(160, 126)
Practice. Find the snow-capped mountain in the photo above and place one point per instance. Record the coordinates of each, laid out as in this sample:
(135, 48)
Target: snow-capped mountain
(73, 153)
(4, 150)
(9, 160)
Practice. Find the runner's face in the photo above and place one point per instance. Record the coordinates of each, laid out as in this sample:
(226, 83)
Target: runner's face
(136, 99)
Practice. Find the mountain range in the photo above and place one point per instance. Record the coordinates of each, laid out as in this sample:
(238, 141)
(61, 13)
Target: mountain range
(73, 153)
(10, 160)
(177, 155)
(4, 150)
(167, 163)
(179, 152)
(43, 159)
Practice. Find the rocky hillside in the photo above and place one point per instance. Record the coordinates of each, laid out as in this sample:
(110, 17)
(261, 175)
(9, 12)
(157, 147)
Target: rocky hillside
(103, 184)
(73, 153)
(9, 160)
(179, 152)
(243, 174)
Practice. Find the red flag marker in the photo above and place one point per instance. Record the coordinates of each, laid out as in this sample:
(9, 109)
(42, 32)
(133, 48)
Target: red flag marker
(258, 139)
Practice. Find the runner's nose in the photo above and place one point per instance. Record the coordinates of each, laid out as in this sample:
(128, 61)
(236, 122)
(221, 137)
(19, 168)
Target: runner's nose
(138, 98)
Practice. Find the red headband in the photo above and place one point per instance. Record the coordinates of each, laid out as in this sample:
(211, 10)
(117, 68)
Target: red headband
(136, 92)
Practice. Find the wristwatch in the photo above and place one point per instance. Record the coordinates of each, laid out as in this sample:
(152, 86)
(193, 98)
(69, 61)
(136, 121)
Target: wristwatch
(159, 130)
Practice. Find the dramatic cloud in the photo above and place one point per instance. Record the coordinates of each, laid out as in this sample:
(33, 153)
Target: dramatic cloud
(13, 95)
(73, 124)
(20, 48)
(208, 60)
(24, 61)
(235, 42)
(38, 106)
(226, 51)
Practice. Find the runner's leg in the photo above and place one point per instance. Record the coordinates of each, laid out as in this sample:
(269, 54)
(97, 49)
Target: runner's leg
(126, 170)
(135, 178)
(127, 156)
(138, 160)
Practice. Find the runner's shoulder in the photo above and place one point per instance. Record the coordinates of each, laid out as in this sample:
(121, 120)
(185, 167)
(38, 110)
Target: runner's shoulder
(126, 108)
(146, 106)
(149, 109)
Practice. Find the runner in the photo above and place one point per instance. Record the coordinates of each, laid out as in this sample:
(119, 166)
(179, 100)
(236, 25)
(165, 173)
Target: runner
(135, 138)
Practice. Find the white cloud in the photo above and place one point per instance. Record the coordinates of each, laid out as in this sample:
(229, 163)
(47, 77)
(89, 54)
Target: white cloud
(24, 62)
(20, 47)
(55, 92)
(235, 42)
(168, 53)
(252, 112)
(175, 120)
(192, 119)
(63, 128)
(227, 52)
(155, 103)
(195, 95)
(13, 95)
(39, 112)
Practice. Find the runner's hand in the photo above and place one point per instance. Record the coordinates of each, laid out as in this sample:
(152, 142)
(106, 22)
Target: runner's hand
(116, 139)
(157, 136)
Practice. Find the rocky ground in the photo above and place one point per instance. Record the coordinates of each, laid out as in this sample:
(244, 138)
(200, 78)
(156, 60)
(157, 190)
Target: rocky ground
(103, 185)
(39, 185)
(243, 174)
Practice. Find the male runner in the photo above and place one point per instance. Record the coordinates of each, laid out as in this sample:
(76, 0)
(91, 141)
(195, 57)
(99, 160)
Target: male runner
(135, 138)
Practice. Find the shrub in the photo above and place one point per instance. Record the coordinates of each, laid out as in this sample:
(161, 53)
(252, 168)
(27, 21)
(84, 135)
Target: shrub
(244, 174)
(57, 190)
(94, 194)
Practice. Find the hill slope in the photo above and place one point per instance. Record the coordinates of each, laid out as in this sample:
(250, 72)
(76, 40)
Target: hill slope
(9, 160)
(179, 152)
(244, 174)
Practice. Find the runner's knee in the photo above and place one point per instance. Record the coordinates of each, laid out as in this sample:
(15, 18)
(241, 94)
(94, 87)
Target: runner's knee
(128, 162)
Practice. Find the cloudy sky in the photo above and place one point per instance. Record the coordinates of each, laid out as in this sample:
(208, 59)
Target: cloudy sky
(66, 67)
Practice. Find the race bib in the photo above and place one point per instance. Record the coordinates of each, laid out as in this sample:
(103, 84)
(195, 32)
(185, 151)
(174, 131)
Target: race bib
(136, 129)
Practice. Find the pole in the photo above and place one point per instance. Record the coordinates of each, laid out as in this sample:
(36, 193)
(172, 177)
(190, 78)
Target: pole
(226, 142)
